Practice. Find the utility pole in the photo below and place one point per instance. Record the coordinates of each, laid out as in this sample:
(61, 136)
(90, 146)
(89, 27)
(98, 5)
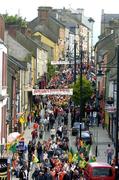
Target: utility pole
(81, 93)
(74, 61)
(117, 116)
(74, 77)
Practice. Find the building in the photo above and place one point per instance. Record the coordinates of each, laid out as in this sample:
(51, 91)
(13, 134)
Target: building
(3, 85)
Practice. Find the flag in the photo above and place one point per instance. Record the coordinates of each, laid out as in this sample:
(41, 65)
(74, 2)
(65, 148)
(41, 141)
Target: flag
(93, 159)
(70, 155)
(22, 120)
(82, 163)
(75, 158)
(72, 151)
(13, 148)
(35, 159)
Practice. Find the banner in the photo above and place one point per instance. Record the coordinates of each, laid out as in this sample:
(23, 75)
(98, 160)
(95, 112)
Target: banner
(60, 62)
(52, 92)
(3, 168)
(63, 62)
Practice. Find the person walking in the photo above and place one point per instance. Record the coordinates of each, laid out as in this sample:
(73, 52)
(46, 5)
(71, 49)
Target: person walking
(29, 120)
(53, 133)
(109, 153)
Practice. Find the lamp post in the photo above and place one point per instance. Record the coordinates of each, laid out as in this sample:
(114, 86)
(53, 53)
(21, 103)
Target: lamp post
(99, 76)
(81, 65)
(75, 61)
(74, 75)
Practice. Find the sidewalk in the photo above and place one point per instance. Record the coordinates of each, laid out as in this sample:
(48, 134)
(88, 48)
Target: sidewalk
(101, 140)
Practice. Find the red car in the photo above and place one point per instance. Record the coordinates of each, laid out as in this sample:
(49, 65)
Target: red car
(99, 171)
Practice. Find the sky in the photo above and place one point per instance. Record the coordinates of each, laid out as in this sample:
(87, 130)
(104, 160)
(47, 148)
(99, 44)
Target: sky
(92, 8)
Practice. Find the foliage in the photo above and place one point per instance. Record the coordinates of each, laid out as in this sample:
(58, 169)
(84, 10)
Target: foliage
(87, 91)
(51, 70)
(14, 20)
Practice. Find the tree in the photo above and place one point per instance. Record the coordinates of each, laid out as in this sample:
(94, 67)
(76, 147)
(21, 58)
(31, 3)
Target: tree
(87, 91)
(14, 20)
(51, 70)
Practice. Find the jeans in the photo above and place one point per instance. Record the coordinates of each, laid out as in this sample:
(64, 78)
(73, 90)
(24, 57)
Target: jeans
(109, 158)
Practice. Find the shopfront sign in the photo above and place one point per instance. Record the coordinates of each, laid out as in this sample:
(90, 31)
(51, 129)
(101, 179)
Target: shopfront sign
(52, 91)
(3, 168)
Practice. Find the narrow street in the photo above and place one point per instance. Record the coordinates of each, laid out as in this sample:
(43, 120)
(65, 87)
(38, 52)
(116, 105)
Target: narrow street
(59, 92)
(103, 141)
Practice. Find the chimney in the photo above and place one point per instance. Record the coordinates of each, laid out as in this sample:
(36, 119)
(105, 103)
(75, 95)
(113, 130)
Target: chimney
(12, 30)
(2, 28)
(43, 13)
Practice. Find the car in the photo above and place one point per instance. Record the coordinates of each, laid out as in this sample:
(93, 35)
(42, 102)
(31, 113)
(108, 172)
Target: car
(76, 128)
(98, 171)
(86, 136)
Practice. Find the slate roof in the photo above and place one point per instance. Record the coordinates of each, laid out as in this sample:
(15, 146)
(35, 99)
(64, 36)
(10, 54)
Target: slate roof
(46, 32)
(47, 29)
(108, 17)
(29, 43)
(22, 65)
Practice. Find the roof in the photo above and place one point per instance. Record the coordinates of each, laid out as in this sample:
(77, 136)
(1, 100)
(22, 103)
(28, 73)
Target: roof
(47, 29)
(46, 32)
(20, 64)
(108, 17)
(99, 164)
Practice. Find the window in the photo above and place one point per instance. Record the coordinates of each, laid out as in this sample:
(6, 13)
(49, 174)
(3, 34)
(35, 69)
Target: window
(4, 70)
(102, 172)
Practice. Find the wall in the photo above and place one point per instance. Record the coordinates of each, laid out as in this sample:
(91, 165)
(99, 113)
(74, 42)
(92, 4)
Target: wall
(15, 49)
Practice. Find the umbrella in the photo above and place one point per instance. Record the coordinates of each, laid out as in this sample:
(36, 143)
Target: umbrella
(13, 136)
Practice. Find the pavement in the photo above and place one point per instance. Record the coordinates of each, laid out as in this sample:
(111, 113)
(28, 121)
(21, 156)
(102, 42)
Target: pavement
(101, 140)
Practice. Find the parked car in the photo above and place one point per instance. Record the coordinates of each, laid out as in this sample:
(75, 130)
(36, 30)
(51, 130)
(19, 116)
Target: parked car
(99, 171)
(85, 136)
(76, 128)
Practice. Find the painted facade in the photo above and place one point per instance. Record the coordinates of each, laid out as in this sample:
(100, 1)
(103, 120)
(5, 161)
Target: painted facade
(3, 92)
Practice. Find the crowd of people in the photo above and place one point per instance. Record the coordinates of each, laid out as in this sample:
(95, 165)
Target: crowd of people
(52, 158)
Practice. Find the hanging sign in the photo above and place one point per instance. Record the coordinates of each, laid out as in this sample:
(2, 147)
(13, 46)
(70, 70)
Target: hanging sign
(52, 91)
(61, 62)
